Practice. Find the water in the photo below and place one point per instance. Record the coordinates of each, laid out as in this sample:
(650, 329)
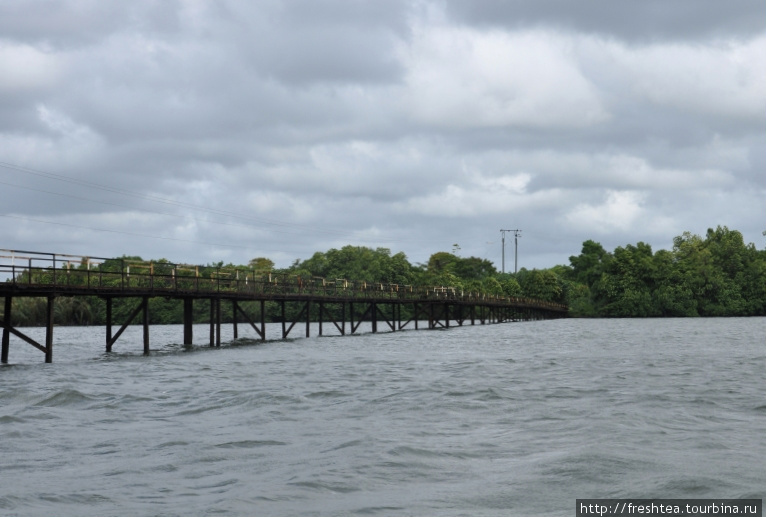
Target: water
(496, 420)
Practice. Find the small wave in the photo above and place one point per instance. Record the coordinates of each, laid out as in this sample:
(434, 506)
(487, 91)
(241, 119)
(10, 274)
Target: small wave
(65, 398)
(250, 444)
(405, 450)
(170, 444)
(199, 410)
(352, 443)
(691, 486)
(78, 499)
(326, 394)
(497, 394)
(324, 486)
(374, 510)
(221, 484)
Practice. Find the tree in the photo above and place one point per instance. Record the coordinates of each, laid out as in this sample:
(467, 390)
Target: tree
(261, 264)
(474, 268)
(700, 263)
(624, 288)
(359, 264)
(671, 296)
(540, 284)
(442, 262)
(592, 261)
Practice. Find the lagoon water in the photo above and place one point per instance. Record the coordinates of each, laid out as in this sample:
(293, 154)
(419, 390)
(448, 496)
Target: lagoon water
(511, 419)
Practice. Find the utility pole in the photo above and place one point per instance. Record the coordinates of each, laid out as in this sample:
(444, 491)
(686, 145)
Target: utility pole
(516, 239)
(516, 235)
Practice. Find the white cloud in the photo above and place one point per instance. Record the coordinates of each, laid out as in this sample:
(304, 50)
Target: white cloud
(72, 143)
(462, 77)
(66, 143)
(713, 78)
(618, 211)
(637, 172)
(24, 68)
(478, 194)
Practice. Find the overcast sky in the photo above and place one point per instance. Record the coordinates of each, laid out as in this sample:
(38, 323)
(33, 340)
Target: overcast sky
(222, 131)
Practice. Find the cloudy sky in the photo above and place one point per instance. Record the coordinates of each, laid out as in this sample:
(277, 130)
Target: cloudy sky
(202, 131)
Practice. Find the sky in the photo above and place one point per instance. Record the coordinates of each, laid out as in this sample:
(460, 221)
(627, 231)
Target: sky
(200, 131)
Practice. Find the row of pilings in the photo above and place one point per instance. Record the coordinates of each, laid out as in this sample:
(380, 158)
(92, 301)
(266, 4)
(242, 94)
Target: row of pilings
(345, 317)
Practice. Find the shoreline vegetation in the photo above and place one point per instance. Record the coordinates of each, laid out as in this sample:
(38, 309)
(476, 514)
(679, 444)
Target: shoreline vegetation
(714, 275)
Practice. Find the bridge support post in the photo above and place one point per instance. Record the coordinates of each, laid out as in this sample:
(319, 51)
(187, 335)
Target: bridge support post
(234, 317)
(284, 319)
(343, 319)
(6, 329)
(146, 324)
(263, 320)
(212, 322)
(188, 320)
(109, 324)
(218, 322)
(431, 323)
(49, 332)
(321, 314)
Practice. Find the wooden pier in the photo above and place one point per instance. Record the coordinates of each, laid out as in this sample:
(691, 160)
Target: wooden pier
(343, 303)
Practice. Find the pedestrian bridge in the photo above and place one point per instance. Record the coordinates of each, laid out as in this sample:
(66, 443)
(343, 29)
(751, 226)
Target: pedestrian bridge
(343, 303)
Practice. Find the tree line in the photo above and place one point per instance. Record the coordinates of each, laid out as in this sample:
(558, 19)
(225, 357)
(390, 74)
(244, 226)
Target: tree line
(714, 275)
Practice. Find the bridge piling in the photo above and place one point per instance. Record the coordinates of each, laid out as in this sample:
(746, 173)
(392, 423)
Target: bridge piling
(108, 301)
(145, 310)
(6, 329)
(188, 321)
(217, 322)
(49, 331)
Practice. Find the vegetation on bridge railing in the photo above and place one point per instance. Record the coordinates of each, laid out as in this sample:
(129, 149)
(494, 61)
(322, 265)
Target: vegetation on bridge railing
(109, 274)
(100, 276)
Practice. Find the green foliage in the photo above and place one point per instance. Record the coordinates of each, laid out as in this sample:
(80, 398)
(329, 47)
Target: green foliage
(714, 275)
(541, 284)
(718, 275)
(358, 263)
(261, 264)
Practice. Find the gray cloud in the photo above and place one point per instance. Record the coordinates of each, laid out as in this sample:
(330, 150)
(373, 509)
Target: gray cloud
(637, 22)
(202, 132)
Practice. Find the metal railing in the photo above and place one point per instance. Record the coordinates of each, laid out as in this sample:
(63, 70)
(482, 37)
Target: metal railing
(27, 269)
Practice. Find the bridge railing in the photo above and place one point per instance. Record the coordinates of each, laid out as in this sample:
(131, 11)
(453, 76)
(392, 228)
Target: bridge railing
(50, 270)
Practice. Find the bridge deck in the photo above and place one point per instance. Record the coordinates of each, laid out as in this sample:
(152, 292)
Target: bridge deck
(33, 274)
